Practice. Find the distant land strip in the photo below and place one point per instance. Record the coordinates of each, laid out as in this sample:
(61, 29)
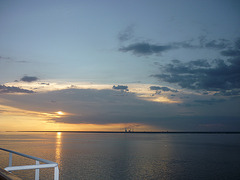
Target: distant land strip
(144, 132)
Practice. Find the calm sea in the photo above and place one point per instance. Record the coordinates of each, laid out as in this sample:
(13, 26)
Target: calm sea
(128, 156)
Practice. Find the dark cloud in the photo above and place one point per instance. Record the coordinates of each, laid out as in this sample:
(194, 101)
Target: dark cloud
(220, 44)
(203, 123)
(12, 89)
(45, 84)
(218, 75)
(203, 42)
(182, 123)
(146, 48)
(162, 88)
(228, 93)
(201, 75)
(185, 44)
(29, 78)
(209, 101)
(120, 87)
(126, 34)
(200, 63)
(155, 88)
(214, 44)
(233, 52)
(93, 106)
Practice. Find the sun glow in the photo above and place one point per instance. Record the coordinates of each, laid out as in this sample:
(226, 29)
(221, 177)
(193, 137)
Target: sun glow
(14, 119)
(60, 113)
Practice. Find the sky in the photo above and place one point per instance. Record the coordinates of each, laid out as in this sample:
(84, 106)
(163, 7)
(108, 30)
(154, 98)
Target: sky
(156, 65)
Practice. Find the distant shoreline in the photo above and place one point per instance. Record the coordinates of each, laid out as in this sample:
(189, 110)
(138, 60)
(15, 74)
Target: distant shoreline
(143, 132)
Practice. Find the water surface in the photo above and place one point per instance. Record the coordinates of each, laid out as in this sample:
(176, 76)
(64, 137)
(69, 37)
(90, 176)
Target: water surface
(127, 155)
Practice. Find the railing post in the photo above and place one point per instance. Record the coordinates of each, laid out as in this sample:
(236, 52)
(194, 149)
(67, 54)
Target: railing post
(37, 171)
(37, 167)
(10, 159)
(56, 173)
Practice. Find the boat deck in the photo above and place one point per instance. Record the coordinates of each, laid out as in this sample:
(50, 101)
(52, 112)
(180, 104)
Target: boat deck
(5, 175)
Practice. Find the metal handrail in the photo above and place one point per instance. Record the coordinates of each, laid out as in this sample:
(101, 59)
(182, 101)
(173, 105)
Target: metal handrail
(48, 164)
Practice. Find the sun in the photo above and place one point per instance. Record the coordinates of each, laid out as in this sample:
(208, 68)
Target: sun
(60, 113)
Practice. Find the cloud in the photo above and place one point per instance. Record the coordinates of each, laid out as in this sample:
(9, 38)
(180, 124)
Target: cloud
(233, 52)
(11, 60)
(228, 93)
(200, 63)
(162, 88)
(91, 106)
(126, 34)
(214, 44)
(12, 89)
(145, 48)
(5, 58)
(203, 123)
(203, 42)
(45, 84)
(29, 78)
(220, 44)
(203, 75)
(120, 87)
(209, 101)
(175, 123)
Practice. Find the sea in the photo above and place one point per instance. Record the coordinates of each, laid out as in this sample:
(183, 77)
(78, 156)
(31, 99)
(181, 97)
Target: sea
(126, 156)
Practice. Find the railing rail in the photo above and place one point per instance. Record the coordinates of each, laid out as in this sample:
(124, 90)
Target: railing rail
(37, 166)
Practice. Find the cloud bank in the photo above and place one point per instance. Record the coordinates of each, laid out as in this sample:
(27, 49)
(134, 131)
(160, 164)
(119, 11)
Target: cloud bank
(12, 89)
(217, 75)
(146, 48)
(91, 106)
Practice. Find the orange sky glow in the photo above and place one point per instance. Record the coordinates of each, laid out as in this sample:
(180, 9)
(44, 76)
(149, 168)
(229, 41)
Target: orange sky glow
(15, 119)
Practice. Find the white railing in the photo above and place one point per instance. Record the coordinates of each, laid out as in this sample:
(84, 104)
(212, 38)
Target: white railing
(37, 166)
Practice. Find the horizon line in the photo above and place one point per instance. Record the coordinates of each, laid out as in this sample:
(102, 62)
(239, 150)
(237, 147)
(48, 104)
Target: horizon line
(139, 132)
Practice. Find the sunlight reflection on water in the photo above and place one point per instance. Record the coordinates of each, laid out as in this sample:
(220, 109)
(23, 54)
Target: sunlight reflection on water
(58, 153)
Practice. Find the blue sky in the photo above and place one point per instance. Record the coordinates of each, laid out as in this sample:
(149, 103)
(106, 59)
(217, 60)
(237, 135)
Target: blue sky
(165, 65)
